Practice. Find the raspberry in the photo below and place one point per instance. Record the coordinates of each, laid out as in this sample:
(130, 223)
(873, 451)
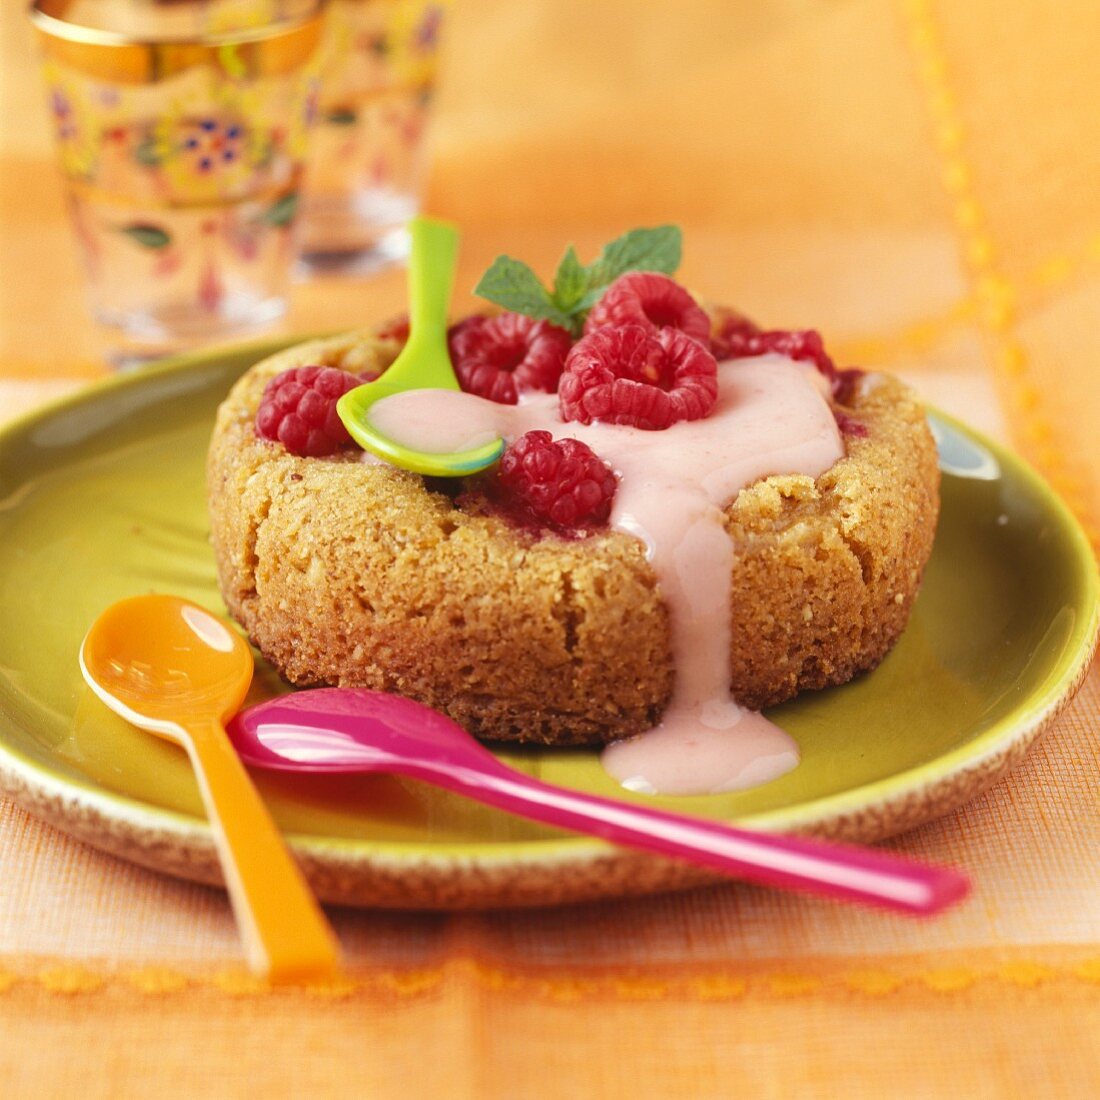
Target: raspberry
(805, 345)
(645, 377)
(646, 298)
(500, 357)
(298, 410)
(848, 426)
(395, 329)
(562, 482)
(727, 327)
(844, 384)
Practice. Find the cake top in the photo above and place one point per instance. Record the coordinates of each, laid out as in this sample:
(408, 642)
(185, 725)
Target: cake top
(615, 342)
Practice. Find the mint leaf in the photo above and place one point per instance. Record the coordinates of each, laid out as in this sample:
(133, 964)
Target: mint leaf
(655, 249)
(570, 282)
(591, 298)
(512, 284)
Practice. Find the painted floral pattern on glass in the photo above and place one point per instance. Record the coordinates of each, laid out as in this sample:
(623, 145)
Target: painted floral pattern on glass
(368, 154)
(191, 187)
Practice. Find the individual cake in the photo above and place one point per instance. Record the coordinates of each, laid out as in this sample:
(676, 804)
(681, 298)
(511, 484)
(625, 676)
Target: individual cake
(519, 601)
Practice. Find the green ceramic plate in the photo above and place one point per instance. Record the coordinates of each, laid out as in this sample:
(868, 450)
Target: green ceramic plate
(102, 496)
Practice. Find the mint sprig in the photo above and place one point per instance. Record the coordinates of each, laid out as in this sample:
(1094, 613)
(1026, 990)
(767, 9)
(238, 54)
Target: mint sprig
(512, 284)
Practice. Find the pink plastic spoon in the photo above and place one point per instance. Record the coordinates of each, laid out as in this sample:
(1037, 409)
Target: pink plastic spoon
(347, 731)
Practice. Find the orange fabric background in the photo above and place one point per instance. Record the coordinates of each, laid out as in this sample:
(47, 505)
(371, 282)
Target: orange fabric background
(916, 179)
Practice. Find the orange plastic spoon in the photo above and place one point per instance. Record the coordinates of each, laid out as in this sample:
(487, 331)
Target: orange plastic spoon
(170, 667)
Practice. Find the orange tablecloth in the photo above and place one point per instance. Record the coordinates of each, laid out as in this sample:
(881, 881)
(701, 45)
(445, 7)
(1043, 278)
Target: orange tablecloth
(916, 179)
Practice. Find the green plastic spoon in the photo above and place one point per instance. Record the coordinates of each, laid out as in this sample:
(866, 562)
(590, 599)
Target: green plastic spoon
(425, 362)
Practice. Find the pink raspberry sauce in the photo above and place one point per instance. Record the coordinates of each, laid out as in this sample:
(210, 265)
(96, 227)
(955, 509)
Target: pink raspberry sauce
(771, 417)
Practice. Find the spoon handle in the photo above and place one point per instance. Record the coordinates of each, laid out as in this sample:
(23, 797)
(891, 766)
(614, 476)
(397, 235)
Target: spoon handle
(433, 248)
(426, 363)
(285, 934)
(824, 868)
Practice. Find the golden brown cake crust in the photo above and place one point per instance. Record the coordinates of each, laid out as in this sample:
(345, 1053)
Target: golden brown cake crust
(354, 573)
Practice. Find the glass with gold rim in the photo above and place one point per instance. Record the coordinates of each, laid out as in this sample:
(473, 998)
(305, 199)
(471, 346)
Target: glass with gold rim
(181, 129)
(368, 156)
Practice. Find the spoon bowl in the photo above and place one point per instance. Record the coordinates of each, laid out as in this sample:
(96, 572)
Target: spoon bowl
(344, 730)
(170, 667)
(424, 362)
(156, 662)
(350, 731)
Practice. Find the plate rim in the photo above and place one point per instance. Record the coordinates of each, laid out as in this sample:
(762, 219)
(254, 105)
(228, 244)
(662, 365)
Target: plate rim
(1021, 726)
